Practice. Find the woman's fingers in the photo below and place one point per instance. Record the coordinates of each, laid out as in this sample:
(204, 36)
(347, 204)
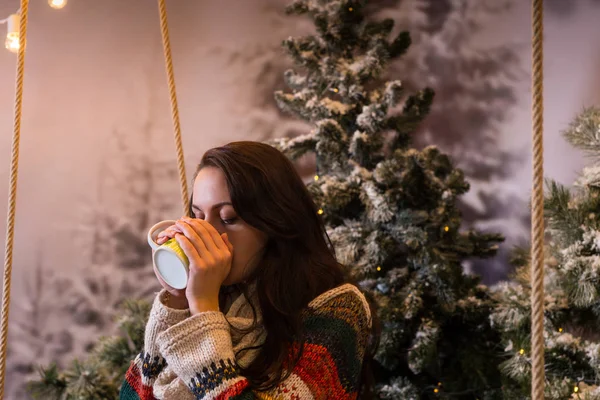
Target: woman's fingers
(167, 234)
(208, 234)
(170, 231)
(194, 239)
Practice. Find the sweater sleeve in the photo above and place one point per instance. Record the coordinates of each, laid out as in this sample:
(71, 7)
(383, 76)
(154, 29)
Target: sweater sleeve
(147, 365)
(200, 352)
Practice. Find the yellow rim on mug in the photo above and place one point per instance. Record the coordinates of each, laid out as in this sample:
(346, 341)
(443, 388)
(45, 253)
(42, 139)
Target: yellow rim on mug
(173, 245)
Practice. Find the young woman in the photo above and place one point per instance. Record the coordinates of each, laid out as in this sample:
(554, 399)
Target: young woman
(268, 312)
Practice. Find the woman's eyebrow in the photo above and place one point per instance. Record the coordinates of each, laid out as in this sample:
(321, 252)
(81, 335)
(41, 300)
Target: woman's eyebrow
(221, 204)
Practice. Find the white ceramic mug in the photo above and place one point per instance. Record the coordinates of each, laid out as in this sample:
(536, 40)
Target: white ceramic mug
(171, 262)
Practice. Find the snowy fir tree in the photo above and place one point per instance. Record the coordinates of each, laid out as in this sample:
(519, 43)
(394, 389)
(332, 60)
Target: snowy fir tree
(572, 286)
(390, 209)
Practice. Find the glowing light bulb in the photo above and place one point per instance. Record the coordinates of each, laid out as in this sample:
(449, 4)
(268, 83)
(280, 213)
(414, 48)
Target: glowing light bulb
(316, 177)
(320, 211)
(57, 4)
(12, 42)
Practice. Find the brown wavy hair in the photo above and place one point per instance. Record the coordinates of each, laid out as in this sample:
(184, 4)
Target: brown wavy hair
(298, 261)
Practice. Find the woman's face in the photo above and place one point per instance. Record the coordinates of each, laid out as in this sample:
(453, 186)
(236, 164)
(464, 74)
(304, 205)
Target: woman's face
(212, 203)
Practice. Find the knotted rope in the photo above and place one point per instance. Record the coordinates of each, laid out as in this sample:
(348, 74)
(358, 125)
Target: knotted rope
(12, 192)
(537, 212)
(164, 29)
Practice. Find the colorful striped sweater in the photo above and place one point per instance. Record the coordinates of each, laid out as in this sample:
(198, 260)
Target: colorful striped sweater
(193, 357)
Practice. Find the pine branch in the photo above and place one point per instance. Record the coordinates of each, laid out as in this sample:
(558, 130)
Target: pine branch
(584, 132)
(101, 374)
(564, 220)
(51, 386)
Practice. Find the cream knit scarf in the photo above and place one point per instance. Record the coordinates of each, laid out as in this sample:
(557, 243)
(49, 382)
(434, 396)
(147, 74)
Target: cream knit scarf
(169, 387)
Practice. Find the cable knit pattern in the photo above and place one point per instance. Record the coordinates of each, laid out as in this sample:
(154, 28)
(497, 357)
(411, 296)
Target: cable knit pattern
(150, 363)
(196, 355)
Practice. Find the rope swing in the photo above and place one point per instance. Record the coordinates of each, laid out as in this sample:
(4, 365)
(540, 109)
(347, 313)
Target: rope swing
(164, 29)
(12, 191)
(537, 205)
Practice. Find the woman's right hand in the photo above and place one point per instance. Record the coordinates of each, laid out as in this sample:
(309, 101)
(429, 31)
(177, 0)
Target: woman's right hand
(177, 299)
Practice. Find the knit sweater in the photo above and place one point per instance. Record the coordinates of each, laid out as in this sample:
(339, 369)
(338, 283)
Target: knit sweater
(194, 357)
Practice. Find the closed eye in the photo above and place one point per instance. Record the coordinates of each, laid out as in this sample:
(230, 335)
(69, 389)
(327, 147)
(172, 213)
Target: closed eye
(225, 221)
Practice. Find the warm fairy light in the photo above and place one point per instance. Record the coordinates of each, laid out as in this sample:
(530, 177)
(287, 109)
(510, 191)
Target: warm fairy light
(560, 329)
(575, 389)
(57, 4)
(522, 351)
(12, 42)
(320, 211)
(316, 177)
(446, 228)
(378, 268)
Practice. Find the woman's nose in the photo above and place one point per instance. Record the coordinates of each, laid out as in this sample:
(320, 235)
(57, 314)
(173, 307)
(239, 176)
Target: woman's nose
(215, 222)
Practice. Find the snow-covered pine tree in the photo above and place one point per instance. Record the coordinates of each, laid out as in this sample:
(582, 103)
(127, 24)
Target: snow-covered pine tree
(390, 209)
(572, 286)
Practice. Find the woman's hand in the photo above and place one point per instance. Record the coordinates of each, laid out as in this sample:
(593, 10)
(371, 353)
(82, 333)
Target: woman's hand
(210, 255)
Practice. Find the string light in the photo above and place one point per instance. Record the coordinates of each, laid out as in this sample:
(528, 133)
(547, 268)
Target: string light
(576, 389)
(12, 42)
(522, 351)
(378, 268)
(446, 228)
(316, 177)
(320, 211)
(57, 4)
(560, 329)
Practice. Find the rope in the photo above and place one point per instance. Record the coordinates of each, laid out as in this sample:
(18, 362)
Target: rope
(537, 213)
(164, 28)
(12, 197)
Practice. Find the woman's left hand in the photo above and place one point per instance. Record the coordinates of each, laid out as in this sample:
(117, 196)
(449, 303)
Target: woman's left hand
(210, 256)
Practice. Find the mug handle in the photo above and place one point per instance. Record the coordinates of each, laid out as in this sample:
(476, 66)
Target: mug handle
(156, 228)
